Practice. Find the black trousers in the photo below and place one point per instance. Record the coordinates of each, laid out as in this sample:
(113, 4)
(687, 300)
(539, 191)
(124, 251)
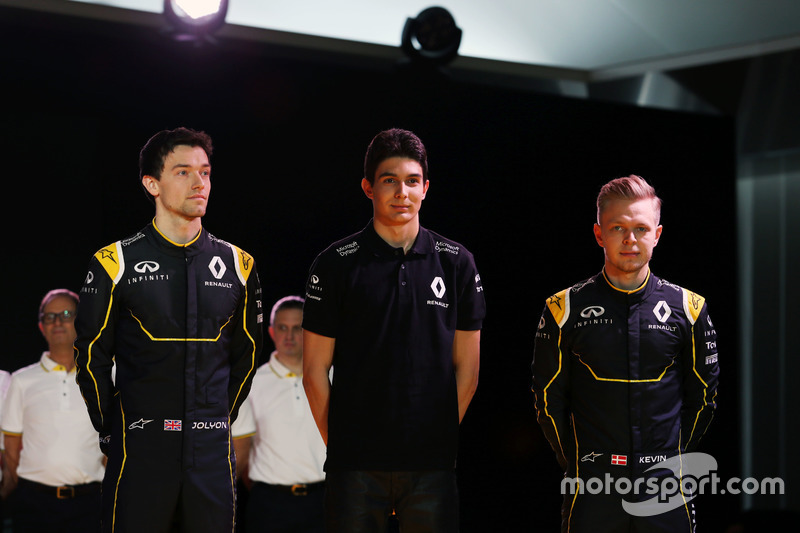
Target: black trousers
(370, 501)
(275, 509)
(34, 508)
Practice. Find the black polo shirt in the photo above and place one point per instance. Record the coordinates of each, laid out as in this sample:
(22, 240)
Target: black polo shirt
(393, 400)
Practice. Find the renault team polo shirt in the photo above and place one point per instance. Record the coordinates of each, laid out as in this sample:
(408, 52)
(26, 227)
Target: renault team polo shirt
(393, 399)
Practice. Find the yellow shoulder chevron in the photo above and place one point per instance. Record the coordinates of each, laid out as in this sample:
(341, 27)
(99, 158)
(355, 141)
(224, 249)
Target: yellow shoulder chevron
(692, 304)
(110, 257)
(244, 263)
(559, 306)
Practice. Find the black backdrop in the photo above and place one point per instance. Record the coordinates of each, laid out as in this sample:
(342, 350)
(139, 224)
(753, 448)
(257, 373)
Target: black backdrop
(513, 177)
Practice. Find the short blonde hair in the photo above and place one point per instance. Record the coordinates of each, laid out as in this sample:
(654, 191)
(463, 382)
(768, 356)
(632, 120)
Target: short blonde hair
(627, 188)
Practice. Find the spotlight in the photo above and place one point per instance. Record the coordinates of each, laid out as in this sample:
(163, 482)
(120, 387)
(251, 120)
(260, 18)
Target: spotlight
(195, 19)
(432, 37)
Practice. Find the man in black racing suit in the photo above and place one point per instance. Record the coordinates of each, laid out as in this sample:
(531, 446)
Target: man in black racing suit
(178, 313)
(625, 375)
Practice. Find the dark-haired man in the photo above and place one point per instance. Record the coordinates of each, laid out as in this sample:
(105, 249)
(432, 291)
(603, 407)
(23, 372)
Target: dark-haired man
(179, 311)
(397, 310)
(625, 375)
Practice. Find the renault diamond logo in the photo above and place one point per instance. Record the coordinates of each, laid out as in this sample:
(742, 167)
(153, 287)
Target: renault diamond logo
(662, 311)
(143, 267)
(592, 311)
(217, 267)
(438, 287)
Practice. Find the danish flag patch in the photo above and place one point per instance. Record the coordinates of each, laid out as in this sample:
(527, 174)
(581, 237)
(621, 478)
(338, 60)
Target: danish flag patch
(619, 459)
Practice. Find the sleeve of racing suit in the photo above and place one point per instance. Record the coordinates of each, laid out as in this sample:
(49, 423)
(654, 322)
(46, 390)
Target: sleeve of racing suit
(550, 384)
(247, 343)
(701, 374)
(95, 326)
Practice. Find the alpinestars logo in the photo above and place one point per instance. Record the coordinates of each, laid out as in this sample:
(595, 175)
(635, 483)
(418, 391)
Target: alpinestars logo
(246, 258)
(695, 300)
(105, 253)
(139, 424)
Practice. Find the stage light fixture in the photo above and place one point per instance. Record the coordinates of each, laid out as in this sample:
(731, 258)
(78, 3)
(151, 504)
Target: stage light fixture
(432, 37)
(195, 19)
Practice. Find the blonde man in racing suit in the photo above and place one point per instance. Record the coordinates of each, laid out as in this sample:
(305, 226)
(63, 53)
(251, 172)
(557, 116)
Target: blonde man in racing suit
(625, 375)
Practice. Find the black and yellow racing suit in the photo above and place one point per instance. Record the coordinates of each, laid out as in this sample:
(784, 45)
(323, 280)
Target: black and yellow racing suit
(623, 380)
(180, 327)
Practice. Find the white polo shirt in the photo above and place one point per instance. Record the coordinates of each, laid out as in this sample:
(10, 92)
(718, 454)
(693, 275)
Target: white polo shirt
(287, 447)
(59, 443)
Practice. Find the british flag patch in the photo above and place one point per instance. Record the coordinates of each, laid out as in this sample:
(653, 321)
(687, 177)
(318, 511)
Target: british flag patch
(172, 425)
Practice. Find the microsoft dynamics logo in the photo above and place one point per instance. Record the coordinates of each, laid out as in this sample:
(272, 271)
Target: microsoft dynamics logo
(692, 474)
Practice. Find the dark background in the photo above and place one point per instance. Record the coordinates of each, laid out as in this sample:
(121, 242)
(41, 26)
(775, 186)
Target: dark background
(514, 176)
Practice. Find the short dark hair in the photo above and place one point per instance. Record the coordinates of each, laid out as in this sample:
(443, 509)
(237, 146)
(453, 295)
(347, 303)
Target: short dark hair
(394, 143)
(160, 145)
(287, 302)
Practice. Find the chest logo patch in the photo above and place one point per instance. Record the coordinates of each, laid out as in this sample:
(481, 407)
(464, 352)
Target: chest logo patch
(217, 267)
(662, 311)
(437, 286)
(143, 267)
(593, 311)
